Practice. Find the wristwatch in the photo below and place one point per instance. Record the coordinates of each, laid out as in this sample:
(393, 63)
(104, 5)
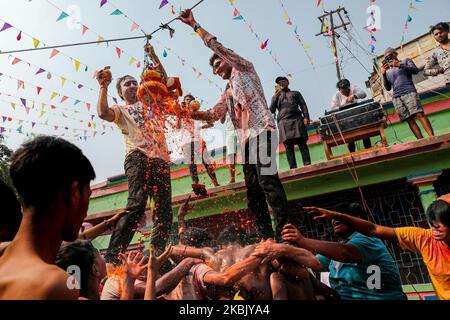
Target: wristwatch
(196, 27)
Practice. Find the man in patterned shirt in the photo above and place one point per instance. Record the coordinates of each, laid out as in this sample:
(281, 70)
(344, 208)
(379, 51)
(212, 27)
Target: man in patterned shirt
(439, 62)
(247, 107)
(146, 163)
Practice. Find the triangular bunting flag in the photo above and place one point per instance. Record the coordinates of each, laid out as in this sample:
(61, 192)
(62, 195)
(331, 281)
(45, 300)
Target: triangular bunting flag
(163, 3)
(38, 90)
(6, 25)
(33, 124)
(116, 12)
(27, 110)
(19, 36)
(77, 64)
(132, 60)
(134, 26)
(54, 94)
(88, 106)
(24, 102)
(54, 53)
(16, 60)
(20, 84)
(63, 81)
(62, 16)
(76, 101)
(118, 51)
(64, 99)
(84, 30)
(238, 18)
(100, 38)
(36, 42)
(39, 71)
(19, 130)
(102, 3)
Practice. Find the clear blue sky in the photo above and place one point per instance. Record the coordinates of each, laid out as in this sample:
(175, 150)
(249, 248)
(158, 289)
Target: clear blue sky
(38, 18)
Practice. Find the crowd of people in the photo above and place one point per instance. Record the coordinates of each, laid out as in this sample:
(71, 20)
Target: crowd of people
(41, 229)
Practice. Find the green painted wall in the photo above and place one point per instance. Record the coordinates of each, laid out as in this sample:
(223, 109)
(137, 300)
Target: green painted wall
(396, 133)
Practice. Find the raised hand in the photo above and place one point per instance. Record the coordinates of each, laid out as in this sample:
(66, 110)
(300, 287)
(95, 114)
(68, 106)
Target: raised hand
(114, 219)
(104, 76)
(321, 213)
(187, 17)
(154, 262)
(291, 233)
(268, 250)
(134, 264)
(185, 208)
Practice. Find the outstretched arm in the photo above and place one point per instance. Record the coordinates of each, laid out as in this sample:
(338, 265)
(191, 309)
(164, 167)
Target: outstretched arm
(232, 274)
(170, 280)
(152, 55)
(365, 227)
(104, 80)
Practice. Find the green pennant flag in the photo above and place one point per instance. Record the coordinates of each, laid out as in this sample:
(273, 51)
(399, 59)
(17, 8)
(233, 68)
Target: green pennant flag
(238, 18)
(116, 12)
(62, 16)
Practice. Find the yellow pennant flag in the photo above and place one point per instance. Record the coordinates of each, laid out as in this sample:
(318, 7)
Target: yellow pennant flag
(231, 2)
(54, 94)
(43, 105)
(35, 42)
(46, 122)
(307, 47)
(100, 38)
(77, 65)
(13, 105)
(42, 113)
(132, 60)
(63, 81)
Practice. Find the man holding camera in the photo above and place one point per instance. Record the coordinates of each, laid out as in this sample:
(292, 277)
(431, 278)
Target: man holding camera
(397, 75)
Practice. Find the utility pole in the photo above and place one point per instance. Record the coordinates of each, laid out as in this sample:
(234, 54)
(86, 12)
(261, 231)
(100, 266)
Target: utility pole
(328, 31)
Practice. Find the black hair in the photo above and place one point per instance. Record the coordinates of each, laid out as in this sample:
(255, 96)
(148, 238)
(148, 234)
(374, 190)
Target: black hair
(10, 213)
(213, 58)
(343, 83)
(80, 253)
(45, 166)
(232, 234)
(440, 26)
(351, 208)
(190, 96)
(439, 211)
(195, 237)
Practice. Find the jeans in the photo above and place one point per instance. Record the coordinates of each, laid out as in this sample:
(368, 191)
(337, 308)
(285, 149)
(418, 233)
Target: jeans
(264, 187)
(146, 177)
(290, 151)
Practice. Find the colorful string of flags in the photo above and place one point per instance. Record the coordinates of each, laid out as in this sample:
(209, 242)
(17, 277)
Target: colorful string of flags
(77, 63)
(85, 28)
(371, 28)
(290, 23)
(408, 20)
(263, 44)
(39, 70)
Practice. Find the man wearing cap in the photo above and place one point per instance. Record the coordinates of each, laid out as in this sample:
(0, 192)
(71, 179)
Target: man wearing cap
(397, 75)
(439, 62)
(292, 118)
(349, 93)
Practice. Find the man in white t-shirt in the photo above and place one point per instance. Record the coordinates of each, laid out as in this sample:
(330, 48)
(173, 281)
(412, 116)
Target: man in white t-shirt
(146, 162)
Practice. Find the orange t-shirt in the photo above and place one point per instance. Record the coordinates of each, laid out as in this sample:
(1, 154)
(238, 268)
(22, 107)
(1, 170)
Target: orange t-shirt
(435, 254)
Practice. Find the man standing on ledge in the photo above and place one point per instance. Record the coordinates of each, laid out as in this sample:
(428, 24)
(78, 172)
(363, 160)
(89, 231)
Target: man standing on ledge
(247, 107)
(146, 162)
(293, 118)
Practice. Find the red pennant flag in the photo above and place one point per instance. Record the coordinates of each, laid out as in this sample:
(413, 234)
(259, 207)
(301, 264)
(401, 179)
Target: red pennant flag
(19, 36)
(118, 51)
(54, 53)
(88, 106)
(264, 44)
(134, 26)
(16, 60)
(84, 30)
(38, 90)
(236, 12)
(138, 65)
(64, 99)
